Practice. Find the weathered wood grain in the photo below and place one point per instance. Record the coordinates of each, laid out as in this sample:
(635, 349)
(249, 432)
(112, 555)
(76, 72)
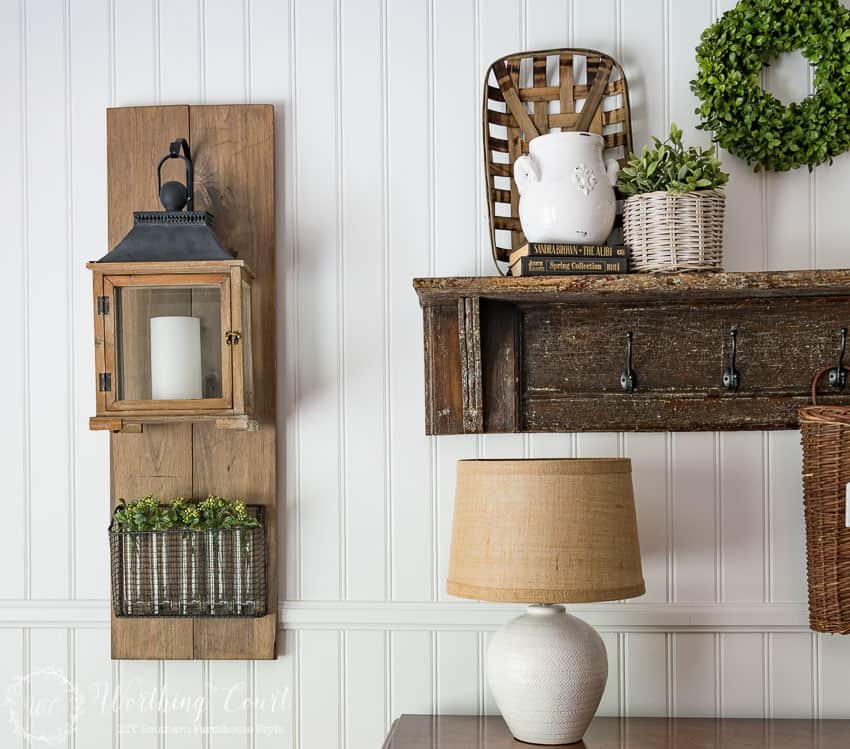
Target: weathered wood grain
(552, 349)
(443, 370)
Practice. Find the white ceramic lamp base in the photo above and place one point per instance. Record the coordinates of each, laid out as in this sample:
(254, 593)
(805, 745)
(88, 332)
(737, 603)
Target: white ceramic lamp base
(547, 671)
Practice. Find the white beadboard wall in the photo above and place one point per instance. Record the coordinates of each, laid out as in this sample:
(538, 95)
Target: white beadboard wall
(379, 180)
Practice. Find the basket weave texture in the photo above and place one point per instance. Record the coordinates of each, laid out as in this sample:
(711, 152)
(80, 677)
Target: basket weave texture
(672, 233)
(825, 434)
(532, 93)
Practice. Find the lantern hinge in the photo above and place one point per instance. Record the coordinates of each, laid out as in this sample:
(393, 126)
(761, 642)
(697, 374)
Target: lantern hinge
(103, 305)
(232, 337)
(104, 382)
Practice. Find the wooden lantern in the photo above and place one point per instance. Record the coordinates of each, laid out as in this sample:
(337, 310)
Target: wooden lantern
(172, 318)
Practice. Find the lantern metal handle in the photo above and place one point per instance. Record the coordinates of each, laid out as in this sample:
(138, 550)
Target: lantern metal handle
(172, 202)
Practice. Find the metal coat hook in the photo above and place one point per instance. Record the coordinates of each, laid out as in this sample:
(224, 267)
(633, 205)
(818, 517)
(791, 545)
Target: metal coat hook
(628, 378)
(731, 376)
(838, 375)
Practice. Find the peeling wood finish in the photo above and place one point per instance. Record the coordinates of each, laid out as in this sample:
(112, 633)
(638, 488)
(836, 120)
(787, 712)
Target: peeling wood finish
(545, 354)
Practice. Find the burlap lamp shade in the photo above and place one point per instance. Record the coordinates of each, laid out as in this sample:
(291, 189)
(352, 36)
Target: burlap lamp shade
(545, 531)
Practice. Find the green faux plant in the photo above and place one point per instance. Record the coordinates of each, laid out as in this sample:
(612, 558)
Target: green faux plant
(213, 513)
(670, 167)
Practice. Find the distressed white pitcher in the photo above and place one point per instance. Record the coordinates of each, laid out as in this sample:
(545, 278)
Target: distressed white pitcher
(566, 189)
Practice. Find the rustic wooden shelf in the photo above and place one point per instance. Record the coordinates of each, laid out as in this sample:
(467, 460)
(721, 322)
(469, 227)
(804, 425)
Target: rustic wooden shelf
(544, 354)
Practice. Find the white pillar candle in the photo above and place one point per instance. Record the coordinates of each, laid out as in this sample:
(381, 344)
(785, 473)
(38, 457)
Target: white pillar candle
(176, 358)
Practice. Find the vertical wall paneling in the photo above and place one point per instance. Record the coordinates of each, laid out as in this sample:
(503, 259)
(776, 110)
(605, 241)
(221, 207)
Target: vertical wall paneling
(648, 453)
(646, 674)
(694, 529)
(694, 670)
(364, 324)
(47, 679)
(321, 699)
(139, 719)
(13, 306)
(834, 654)
(274, 699)
(230, 698)
(743, 675)
(89, 73)
(792, 675)
(48, 296)
(379, 180)
(179, 53)
(12, 668)
(185, 710)
(318, 247)
(226, 44)
(459, 685)
(408, 250)
(787, 540)
(742, 517)
(365, 685)
(411, 675)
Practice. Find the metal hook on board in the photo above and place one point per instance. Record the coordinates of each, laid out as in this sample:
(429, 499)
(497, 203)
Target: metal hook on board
(838, 375)
(628, 378)
(731, 376)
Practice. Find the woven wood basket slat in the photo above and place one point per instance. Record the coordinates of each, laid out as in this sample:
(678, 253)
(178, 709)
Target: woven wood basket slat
(531, 93)
(825, 434)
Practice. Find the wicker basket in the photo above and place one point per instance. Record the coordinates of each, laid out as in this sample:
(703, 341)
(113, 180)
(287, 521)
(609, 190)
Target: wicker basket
(826, 472)
(527, 94)
(671, 233)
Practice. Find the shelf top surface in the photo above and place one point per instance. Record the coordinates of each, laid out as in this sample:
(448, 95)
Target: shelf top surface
(636, 286)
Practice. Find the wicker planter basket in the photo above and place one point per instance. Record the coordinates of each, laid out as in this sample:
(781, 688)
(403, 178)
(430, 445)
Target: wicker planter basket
(825, 434)
(670, 233)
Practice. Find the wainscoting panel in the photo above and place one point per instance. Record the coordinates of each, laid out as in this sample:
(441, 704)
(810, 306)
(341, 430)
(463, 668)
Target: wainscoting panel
(380, 180)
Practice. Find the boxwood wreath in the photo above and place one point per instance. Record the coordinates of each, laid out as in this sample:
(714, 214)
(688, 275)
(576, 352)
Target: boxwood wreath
(751, 122)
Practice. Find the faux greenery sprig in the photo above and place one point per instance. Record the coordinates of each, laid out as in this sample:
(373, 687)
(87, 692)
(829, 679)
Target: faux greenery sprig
(670, 167)
(214, 513)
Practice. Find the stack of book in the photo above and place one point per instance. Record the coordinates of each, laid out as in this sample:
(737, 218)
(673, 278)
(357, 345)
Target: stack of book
(549, 259)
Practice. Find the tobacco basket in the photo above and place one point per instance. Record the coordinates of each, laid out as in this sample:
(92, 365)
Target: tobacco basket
(179, 572)
(531, 93)
(825, 434)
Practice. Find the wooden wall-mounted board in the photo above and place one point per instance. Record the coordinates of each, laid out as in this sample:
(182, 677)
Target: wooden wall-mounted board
(545, 354)
(233, 150)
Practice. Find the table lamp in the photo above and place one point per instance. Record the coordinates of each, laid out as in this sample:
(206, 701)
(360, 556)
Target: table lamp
(546, 532)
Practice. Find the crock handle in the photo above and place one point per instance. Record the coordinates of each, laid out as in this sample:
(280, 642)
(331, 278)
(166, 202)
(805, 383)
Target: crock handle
(526, 172)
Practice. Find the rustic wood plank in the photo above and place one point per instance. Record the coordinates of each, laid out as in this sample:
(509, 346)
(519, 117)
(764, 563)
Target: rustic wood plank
(443, 389)
(636, 287)
(552, 349)
(234, 151)
(469, 330)
(501, 357)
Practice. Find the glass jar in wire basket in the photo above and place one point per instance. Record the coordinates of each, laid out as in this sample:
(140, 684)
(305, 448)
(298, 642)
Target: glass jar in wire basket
(182, 572)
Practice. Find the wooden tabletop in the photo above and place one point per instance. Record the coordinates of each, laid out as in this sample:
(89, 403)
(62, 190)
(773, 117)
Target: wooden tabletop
(460, 732)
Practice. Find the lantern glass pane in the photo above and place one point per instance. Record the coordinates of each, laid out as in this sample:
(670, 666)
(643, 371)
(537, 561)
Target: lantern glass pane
(168, 342)
(247, 357)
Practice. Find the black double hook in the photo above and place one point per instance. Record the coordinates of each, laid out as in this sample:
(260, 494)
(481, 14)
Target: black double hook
(838, 375)
(628, 378)
(731, 376)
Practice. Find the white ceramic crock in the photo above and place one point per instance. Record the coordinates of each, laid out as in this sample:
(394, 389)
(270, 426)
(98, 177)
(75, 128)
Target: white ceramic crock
(566, 189)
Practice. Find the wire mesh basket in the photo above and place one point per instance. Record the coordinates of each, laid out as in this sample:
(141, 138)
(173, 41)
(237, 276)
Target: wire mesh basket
(181, 572)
